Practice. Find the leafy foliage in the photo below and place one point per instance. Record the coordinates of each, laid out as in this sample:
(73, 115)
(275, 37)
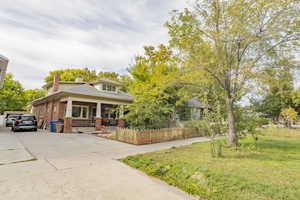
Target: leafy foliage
(85, 74)
(109, 75)
(154, 99)
(31, 95)
(13, 97)
(71, 74)
(289, 115)
(277, 89)
(231, 42)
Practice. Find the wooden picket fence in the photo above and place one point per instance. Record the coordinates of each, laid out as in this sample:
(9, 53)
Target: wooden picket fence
(140, 137)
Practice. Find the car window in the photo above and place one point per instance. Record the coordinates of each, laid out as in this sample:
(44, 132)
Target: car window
(13, 116)
(28, 118)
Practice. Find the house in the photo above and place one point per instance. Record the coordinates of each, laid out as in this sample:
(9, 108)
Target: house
(81, 104)
(3, 67)
(190, 110)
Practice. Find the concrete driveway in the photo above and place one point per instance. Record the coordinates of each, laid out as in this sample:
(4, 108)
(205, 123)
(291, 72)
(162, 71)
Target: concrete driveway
(75, 166)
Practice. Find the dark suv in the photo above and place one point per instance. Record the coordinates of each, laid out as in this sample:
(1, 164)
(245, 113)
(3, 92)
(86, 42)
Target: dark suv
(25, 122)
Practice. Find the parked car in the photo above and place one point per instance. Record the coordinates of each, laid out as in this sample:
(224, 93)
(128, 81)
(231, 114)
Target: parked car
(25, 122)
(10, 119)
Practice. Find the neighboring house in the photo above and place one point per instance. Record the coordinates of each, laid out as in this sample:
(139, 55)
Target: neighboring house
(190, 110)
(81, 104)
(3, 67)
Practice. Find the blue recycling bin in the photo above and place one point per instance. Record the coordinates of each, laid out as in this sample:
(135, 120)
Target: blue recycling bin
(52, 126)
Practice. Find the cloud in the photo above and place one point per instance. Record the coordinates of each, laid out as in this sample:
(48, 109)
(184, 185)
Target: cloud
(39, 36)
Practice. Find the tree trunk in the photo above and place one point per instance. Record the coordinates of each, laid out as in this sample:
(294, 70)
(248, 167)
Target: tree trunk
(232, 137)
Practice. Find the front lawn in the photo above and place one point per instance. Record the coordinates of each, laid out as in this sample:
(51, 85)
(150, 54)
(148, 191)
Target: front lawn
(269, 171)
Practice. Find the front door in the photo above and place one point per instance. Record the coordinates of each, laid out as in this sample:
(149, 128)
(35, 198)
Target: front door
(94, 112)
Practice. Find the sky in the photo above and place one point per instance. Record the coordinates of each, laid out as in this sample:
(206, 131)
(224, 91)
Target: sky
(39, 36)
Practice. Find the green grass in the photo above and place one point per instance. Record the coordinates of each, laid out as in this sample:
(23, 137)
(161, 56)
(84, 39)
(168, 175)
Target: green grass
(268, 171)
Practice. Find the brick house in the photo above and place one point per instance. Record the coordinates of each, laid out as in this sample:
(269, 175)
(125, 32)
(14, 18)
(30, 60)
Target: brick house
(81, 104)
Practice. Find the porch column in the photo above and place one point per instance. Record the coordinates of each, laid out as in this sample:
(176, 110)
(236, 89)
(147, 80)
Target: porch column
(32, 110)
(121, 122)
(98, 122)
(68, 118)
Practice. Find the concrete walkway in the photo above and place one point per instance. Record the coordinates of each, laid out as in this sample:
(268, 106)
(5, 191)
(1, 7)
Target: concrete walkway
(82, 167)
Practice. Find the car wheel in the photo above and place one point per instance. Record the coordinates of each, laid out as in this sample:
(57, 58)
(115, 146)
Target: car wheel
(35, 129)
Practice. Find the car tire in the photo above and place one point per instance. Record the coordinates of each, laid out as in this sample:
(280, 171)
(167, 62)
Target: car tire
(35, 129)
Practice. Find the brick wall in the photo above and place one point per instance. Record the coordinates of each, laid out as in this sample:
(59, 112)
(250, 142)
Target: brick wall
(49, 111)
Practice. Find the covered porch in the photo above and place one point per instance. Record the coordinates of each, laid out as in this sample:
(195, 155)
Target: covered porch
(89, 113)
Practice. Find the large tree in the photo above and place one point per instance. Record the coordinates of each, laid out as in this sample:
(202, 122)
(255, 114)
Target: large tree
(71, 74)
(12, 95)
(231, 41)
(154, 99)
(31, 95)
(87, 75)
(276, 90)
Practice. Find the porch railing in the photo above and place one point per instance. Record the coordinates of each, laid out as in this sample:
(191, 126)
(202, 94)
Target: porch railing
(83, 123)
(91, 123)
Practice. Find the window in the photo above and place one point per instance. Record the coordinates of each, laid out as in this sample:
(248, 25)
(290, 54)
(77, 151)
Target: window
(80, 112)
(76, 112)
(109, 88)
(28, 118)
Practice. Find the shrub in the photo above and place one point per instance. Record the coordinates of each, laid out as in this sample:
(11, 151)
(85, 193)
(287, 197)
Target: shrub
(289, 116)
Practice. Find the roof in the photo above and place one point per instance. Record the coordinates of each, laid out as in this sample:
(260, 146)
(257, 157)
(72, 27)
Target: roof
(106, 80)
(195, 103)
(88, 90)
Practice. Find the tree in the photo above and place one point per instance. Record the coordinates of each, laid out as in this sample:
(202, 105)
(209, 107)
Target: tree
(87, 75)
(31, 95)
(154, 100)
(12, 95)
(231, 42)
(289, 116)
(276, 91)
(296, 100)
(114, 76)
(71, 74)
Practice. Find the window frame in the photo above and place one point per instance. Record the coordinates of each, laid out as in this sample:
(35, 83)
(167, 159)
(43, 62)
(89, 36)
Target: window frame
(81, 112)
(109, 88)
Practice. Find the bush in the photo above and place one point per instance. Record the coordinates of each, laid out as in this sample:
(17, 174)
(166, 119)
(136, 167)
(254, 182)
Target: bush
(289, 116)
(206, 127)
(201, 125)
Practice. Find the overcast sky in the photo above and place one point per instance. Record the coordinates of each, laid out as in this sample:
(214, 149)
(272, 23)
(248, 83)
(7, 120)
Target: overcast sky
(43, 35)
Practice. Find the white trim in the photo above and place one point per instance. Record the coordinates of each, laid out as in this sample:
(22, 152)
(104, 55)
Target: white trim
(98, 110)
(93, 101)
(81, 111)
(68, 110)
